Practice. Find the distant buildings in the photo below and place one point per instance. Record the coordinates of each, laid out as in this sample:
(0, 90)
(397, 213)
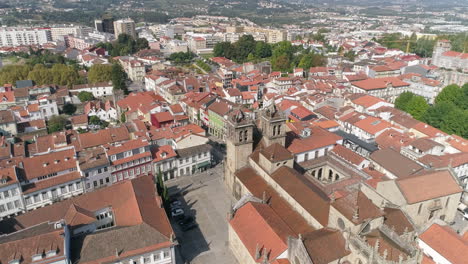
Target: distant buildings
(125, 26)
(16, 36)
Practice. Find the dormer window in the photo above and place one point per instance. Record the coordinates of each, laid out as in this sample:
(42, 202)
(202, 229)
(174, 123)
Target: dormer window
(36, 257)
(51, 253)
(14, 261)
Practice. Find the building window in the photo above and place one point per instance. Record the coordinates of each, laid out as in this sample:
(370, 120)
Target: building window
(166, 253)
(2, 208)
(419, 209)
(17, 203)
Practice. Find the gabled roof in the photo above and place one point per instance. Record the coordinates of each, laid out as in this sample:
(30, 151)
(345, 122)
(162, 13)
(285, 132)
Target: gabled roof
(259, 227)
(446, 242)
(419, 188)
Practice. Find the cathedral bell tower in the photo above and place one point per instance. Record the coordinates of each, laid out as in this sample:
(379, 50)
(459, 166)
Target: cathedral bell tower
(273, 126)
(239, 144)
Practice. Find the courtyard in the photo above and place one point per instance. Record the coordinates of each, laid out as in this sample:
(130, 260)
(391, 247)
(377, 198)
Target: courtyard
(203, 196)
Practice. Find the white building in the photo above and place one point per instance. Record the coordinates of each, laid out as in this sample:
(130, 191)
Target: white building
(13, 36)
(57, 33)
(97, 89)
(51, 177)
(11, 202)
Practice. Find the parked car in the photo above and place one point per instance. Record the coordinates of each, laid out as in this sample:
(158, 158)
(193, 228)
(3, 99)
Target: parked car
(176, 213)
(463, 208)
(187, 220)
(176, 204)
(189, 226)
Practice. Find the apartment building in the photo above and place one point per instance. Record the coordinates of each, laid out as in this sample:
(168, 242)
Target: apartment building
(125, 26)
(11, 202)
(16, 36)
(129, 159)
(51, 177)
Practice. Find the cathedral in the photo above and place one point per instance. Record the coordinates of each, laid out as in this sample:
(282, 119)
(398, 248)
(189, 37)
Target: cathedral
(315, 211)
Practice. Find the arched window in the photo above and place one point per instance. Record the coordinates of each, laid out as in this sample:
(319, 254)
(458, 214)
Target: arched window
(246, 135)
(330, 175)
(274, 130)
(240, 136)
(279, 130)
(319, 174)
(337, 177)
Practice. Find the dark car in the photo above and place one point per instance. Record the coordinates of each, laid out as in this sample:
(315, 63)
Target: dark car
(189, 226)
(187, 220)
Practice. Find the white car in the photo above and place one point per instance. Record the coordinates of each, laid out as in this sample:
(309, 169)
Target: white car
(177, 212)
(463, 208)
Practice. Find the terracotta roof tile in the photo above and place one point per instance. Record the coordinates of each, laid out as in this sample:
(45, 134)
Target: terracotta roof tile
(446, 242)
(420, 187)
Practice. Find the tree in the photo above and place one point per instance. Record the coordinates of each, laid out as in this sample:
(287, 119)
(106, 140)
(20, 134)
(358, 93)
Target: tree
(262, 49)
(436, 116)
(283, 48)
(311, 60)
(449, 94)
(417, 106)
(85, 96)
(182, 57)
(69, 109)
(402, 100)
(56, 123)
(100, 73)
(141, 44)
(243, 47)
(119, 77)
(281, 63)
(221, 49)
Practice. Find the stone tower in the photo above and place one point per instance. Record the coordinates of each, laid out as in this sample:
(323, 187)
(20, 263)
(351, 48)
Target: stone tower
(239, 144)
(440, 47)
(273, 126)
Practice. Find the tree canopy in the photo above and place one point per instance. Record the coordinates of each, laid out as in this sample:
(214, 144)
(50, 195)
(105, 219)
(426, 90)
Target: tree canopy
(100, 73)
(124, 45)
(449, 113)
(56, 123)
(85, 96)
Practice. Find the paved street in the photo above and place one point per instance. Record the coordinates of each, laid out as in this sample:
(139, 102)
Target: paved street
(204, 197)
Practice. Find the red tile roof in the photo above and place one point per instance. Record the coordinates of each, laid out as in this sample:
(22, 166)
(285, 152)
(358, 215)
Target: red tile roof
(446, 242)
(258, 227)
(419, 188)
(379, 83)
(319, 138)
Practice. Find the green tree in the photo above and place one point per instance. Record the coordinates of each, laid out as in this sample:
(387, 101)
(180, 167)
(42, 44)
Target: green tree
(141, 44)
(244, 46)
(437, 115)
(100, 73)
(119, 77)
(262, 49)
(69, 109)
(283, 48)
(311, 60)
(56, 123)
(85, 96)
(224, 49)
(403, 100)
(449, 94)
(417, 106)
(281, 63)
